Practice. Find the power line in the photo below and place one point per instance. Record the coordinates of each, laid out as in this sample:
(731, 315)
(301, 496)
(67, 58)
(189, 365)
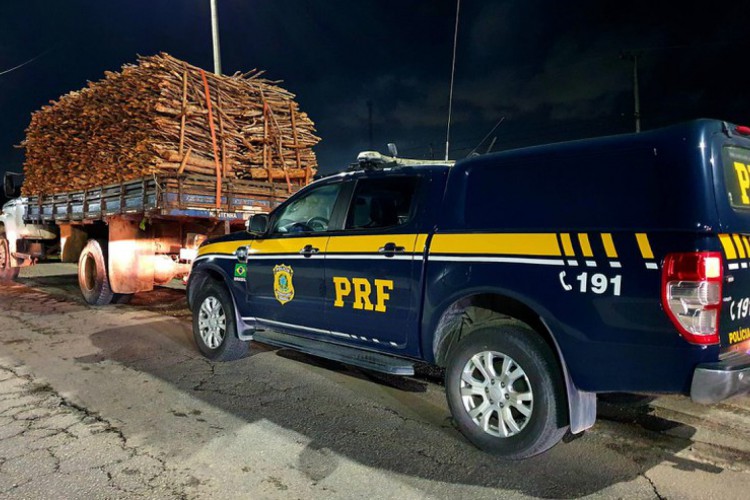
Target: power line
(24, 63)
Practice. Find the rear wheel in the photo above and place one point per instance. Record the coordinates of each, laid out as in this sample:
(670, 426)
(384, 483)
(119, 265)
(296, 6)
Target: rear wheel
(214, 325)
(92, 274)
(504, 390)
(7, 271)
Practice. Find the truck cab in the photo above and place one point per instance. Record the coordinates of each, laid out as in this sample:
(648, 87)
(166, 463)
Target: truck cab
(21, 243)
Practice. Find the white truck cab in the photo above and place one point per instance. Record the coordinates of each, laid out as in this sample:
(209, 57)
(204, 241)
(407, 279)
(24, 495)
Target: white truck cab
(21, 244)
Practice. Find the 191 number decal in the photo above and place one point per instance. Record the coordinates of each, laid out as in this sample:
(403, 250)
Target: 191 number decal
(597, 283)
(739, 309)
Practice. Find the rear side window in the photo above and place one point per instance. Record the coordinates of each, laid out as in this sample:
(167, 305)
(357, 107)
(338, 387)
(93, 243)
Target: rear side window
(381, 203)
(736, 163)
(621, 189)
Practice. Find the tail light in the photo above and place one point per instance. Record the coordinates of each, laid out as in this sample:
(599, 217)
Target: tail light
(691, 294)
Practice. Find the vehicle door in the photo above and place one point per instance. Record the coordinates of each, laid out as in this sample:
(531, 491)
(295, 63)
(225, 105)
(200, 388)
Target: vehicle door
(285, 287)
(372, 265)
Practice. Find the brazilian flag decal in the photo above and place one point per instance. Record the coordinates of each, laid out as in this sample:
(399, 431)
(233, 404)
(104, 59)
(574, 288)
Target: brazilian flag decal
(240, 272)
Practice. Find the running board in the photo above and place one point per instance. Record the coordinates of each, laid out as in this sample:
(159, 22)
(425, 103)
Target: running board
(348, 355)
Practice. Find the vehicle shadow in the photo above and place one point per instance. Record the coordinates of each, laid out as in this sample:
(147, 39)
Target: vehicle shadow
(65, 286)
(336, 408)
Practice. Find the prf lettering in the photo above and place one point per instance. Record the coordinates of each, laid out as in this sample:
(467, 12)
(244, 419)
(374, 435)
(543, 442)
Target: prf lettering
(362, 291)
(743, 178)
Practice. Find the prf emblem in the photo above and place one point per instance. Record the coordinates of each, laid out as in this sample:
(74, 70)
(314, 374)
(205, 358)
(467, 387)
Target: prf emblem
(283, 287)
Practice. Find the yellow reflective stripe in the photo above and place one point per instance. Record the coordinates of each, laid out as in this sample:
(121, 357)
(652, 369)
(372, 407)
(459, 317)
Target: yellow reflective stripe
(746, 241)
(609, 245)
(421, 243)
(644, 245)
(501, 244)
(227, 247)
(369, 243)
(286, 245)
(726, 242)
(567, 245)
(738, 242)
(583, 239)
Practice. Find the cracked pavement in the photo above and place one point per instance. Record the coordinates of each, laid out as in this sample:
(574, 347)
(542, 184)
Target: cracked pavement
(116, 402)
(50, 447)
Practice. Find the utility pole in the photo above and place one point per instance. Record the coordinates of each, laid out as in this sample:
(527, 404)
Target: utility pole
(633, 56)
(215, 37)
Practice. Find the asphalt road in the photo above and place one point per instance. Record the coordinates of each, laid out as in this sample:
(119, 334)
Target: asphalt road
(116, 402)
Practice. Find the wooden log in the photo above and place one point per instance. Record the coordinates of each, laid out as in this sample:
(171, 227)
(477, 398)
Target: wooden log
(183, 110)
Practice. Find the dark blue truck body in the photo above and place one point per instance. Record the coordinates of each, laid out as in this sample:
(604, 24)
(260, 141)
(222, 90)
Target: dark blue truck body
(569, 239)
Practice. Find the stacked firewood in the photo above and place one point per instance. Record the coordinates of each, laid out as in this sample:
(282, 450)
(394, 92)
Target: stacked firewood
(165, 117)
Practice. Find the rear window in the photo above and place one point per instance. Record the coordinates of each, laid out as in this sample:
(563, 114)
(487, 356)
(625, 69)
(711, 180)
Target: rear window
(621, 189)
(736, 163)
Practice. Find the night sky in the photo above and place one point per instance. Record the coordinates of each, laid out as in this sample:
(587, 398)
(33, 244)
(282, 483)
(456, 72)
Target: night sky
(551, 69)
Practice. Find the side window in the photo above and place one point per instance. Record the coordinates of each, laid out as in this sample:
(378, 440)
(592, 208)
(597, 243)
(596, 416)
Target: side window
(309, 213)
(381, 203)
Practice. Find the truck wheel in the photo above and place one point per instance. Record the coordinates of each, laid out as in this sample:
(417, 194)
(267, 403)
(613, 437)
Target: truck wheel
(504, 390)
(7, 272)
(214, 327)
(92, 274)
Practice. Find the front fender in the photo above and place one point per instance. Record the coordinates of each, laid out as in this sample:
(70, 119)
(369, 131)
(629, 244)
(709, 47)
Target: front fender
(210, 270)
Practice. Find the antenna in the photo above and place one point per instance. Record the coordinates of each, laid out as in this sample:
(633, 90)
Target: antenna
(487, 137)
(369, 122)
(633, 56)
(453, 72)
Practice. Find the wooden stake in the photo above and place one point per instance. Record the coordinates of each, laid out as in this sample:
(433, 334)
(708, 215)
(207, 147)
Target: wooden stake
(221, 131)
(281, 152)
(213, 139)
(183, 111)
(296, 143)
(185, 160)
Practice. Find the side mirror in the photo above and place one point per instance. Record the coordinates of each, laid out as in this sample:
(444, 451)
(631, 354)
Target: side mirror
(9, 186)
(257, 224)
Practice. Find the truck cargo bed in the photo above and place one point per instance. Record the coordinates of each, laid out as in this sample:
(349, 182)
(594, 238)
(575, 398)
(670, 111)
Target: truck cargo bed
(169, 196)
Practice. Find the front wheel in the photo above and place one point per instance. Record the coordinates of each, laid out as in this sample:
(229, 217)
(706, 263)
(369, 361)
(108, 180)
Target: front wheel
(7, 271)
(92, 274)
(504, 390)
(214, 325)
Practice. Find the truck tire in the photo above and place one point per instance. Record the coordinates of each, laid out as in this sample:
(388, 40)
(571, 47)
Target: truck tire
(7, 271)
(92, 274)
(505, 391)
(214, 327)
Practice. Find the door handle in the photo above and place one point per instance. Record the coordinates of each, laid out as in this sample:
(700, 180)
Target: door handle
(390, 248)
(309, 250)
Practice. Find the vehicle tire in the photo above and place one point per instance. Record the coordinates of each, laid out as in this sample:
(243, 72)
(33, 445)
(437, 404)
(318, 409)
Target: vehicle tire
(214, 326)
(92, 274)
(505, 391)
(7, 272)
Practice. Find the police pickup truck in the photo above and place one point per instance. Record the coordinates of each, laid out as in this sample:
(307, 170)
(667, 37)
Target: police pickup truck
(537, 277)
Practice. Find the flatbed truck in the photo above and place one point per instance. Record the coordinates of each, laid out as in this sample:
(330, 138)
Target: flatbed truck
(131, 236)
